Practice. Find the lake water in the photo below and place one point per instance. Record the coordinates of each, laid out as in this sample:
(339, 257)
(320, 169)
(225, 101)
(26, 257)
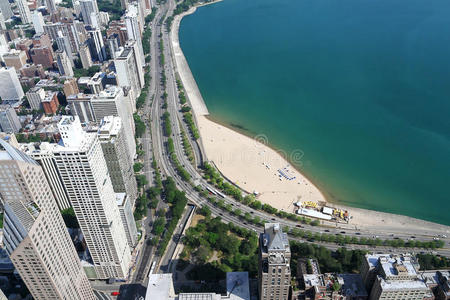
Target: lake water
(361, 87)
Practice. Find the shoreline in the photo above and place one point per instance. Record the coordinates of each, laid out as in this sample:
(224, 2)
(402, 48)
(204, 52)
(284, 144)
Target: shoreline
(242, 145)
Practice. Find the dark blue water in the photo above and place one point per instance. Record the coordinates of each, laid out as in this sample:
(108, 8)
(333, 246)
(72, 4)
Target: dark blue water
(361, 87)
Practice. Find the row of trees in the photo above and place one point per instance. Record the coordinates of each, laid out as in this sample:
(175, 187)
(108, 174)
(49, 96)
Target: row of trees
(173, 156)
(139, 125)
(433, 262)
(187, 146)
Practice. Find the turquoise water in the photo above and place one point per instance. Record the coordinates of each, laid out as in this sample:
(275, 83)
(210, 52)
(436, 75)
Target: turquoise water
(361, 87)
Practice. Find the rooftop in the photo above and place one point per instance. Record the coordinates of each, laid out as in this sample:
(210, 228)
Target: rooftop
(274, 239)
(238, 286)
(160, 287)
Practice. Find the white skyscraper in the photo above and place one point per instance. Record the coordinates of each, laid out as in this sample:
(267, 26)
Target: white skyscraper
(42, 153)
(9, 122)
(112, 102)
(134, 30)
(64, 45)
(64, 63)
(5, 9)
(88, 7)
(38, 22)
(51, 6)
(130, 73)
(10, 88)
(24, 11)
(35, 235)
(85, 175)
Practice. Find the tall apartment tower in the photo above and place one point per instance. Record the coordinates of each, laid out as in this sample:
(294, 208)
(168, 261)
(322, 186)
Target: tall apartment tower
(51, 6)
(113, 102)
(126, 214)
(96, 44)
(64, 45)
(35, 235)
(64, 63)
(134, 30)
(85, 56)
(9, 122)
(130, 73)
(10, 88)
(38, 22)
(274, 273)
(24, 11)
(43, 154)
(5, 9)
(85, 175)
(87, 8)
(118, 157)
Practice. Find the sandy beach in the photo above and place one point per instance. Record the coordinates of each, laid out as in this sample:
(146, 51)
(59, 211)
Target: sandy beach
(255, 167)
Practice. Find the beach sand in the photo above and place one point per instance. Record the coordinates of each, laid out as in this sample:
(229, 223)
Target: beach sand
(253, 166)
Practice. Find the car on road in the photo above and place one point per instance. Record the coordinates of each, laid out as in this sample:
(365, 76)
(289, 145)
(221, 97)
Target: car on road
(326, 230)
(298, 225)
(221, 214)
(273, 219)
(413, 237)
(343, 232)
(357, 233)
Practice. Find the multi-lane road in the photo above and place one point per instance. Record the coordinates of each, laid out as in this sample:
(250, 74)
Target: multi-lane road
(154, 144)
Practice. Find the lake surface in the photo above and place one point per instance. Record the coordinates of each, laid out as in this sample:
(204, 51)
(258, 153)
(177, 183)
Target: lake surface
(361, 87)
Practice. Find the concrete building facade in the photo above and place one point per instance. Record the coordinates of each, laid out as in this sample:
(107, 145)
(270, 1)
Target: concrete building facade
(85, 175)
(118, 156)
(274, 273)
(35, 235)
(35, 96)
(9, 122)
(10, 88)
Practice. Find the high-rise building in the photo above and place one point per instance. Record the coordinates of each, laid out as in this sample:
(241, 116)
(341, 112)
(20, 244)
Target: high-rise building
(113, 44)
(64, 64)
(35, 96)
(112, 102)
(24, 11)
(96, 45)
(88, 7)
(10, 88)
(80, 105)
(42, 153)
(118, 157)
(389, 276)
(130, 73)
(85, 56)
(9, 122)
(64, 45)
(71, 29)
(134, 30)
(70, 87)
(35, 235)
(126, 214)
(85, 175)
(38, 22)
(274, 273)
(5, 9)
(51, 6)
